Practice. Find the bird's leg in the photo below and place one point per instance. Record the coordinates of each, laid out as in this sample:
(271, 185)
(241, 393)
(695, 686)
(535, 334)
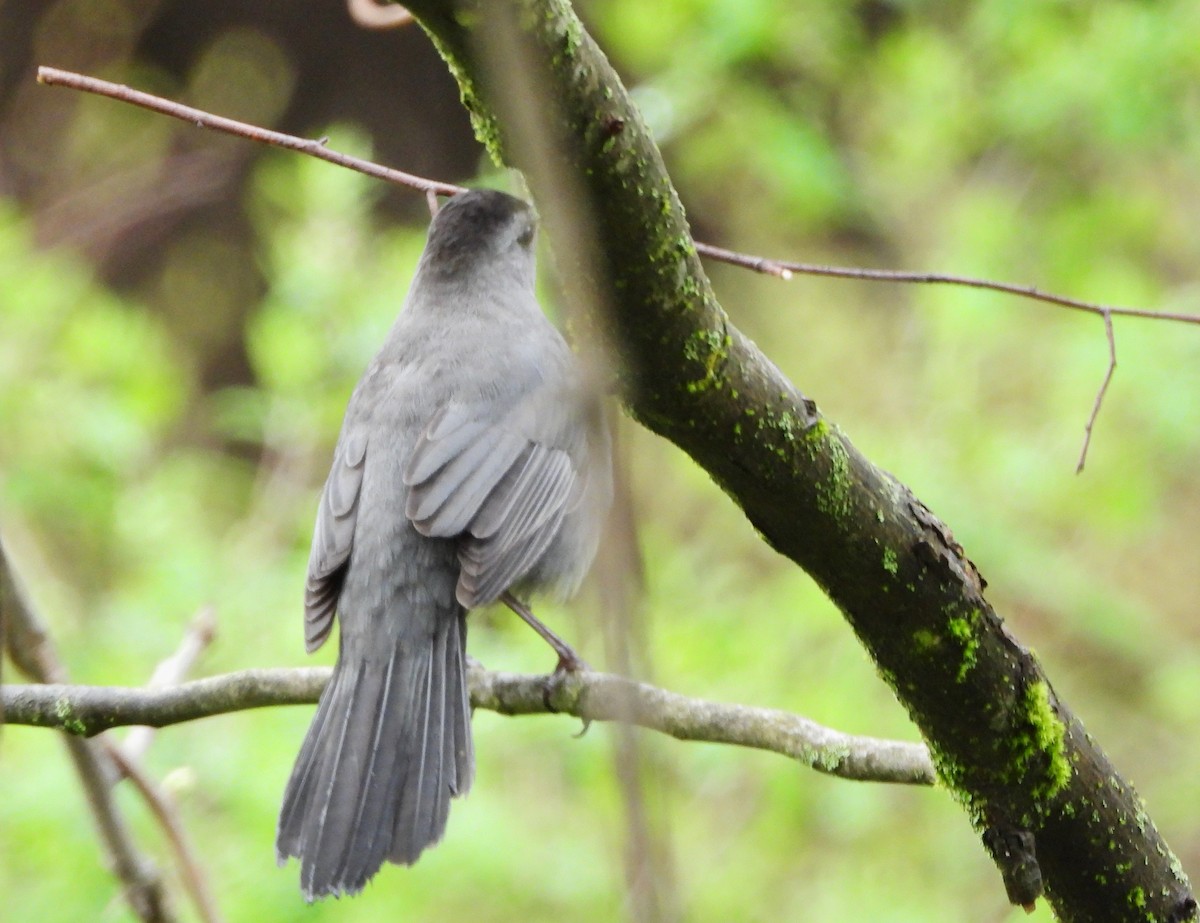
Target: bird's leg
(568, 660)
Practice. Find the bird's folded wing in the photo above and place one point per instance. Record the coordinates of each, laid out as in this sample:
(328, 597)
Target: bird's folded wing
(333, 537)
(502, 494)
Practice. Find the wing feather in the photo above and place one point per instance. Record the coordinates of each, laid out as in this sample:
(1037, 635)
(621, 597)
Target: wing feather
(333, 538)
(444, 504)
(446, 436)
(500, 493)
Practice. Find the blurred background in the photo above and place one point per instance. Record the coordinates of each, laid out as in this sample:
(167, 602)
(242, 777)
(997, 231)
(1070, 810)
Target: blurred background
(183, 316)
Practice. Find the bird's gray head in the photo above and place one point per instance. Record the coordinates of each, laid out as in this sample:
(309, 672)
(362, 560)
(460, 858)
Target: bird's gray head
(481, 231)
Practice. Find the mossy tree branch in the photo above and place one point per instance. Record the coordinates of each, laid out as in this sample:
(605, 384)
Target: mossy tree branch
(1014, 754)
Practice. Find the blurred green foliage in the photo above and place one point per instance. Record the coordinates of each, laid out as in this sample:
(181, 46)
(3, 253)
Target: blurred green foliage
(1046, 142)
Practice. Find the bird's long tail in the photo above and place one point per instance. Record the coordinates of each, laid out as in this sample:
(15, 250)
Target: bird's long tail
(389, 747)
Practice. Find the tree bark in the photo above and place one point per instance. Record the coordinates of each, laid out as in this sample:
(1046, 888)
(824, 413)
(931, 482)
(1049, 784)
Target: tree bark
(1051, 807)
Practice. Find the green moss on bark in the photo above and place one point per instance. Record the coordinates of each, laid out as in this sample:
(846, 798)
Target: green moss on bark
(964, 629)
(69, 723)
(1039, 748)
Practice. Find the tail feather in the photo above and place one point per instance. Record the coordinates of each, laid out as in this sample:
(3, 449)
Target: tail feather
(436, 773)
(385, 788)
(377, 803)
(460, 747)
(329, 832)
(291, 818)
(389, 746)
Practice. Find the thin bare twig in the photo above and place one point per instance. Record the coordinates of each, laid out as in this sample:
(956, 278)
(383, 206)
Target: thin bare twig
(171, 671)
(86, 710)
(52, 76)
(1108, 375)
(164, 810)
(745, 261)
(128, 753)
(142, 883)
(941, 278)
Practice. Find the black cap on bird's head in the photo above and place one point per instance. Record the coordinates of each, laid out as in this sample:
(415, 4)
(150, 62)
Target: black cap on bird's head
(477, 227)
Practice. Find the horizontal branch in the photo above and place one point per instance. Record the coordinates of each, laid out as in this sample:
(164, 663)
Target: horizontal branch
(87, 710)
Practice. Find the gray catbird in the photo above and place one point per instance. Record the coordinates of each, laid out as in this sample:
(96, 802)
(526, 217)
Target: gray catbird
(472, 461)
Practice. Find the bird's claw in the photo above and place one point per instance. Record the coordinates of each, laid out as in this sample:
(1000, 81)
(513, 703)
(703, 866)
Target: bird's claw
(568, 664)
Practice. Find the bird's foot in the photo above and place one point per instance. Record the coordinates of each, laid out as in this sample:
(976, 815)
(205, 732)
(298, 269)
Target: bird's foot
(568, 660)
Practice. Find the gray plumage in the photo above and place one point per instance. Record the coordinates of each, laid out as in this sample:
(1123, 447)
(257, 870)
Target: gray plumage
(472, 460)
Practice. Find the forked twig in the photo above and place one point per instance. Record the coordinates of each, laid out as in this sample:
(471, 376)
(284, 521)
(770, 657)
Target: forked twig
(1108, 375)
(33, 651)
(167, 815)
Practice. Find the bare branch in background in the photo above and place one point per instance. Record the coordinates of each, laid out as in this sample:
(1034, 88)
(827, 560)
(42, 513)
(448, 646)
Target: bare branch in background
(127, 754)
(164, 810)
(33, 652)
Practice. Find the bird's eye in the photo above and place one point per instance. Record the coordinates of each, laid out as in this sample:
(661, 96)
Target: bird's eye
(526, 235)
